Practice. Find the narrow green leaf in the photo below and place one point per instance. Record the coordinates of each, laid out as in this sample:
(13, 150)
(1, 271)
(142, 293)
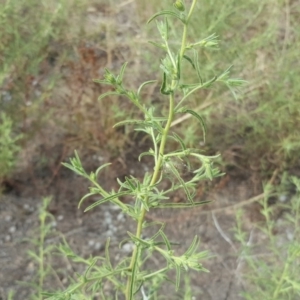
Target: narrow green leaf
(121, 75)
(34, 255)
(134, 271)
(94, 260)
(130, 184)
(137, 240)
(149, 153)
(108, 94)
(224, 75)
(85, 197)
(156, 126)
(194, 88)
(107, 256)
(102, 81)
(178, 62)
(105, 199)
(145, 204)
(166, 12)
(72, 168)
(123, 185)
(178, 270)
(143, 84)
(177, 175)
(234, 82)
(125, 122)
(200, 119)
(101, 168)
(161, 46)
(163, 88)
(166, 26)
(167, 242)
(179, 140)
(193, 247)
(182, 205)
(190, 61)
(197, 67)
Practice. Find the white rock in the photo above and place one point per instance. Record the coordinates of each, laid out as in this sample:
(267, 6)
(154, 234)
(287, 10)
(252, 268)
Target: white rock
(12, 229)
(8, 218)
(91, 243)
(60, 218)
(98, 246)
(7, 238)
(128, 248)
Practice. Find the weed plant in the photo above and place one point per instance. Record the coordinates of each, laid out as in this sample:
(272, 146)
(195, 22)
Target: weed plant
(261, 39)
(27, 29)
(269, 259)
(35, 38)
(129, 277)
(47, 61)
(41, 252)
(8, 146)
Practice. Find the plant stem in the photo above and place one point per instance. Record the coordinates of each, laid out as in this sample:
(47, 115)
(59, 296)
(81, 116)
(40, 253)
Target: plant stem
(183, 42)
(130, 281)
(281, 280)
(159, 159)
(41, 253)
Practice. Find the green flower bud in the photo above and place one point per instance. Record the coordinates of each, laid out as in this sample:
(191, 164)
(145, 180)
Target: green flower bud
(179, 5)
(109, 77)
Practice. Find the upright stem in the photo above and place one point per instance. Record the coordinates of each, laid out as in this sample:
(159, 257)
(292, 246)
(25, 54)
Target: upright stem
(183, 42)
(41, 254)
(130, 280)
(159, 159)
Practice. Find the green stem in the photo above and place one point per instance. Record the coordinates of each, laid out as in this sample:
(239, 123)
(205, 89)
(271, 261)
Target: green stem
(281, 280)
(159, 159)
(155, 177)
(41, 254)
(183, 42)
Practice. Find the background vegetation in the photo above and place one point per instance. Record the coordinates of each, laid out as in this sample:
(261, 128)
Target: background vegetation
(51, 50)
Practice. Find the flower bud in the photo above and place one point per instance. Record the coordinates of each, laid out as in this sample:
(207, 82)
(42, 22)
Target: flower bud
(109, 77)
(179, 5)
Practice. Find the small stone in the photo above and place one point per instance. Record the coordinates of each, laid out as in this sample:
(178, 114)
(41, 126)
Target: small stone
(290, 235)
(60, 218)
(8, 218)
(121, 217)
(12, 229)
(7, 238)
(115, 207)
(98, 246)
(108, 233)
(113, 228)
(30, 267)
(283, 198)
(128, 248)
(26, 207)
(65, 280)
(108, 218)
(91, 243)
